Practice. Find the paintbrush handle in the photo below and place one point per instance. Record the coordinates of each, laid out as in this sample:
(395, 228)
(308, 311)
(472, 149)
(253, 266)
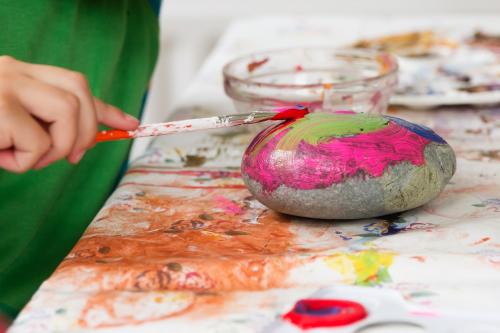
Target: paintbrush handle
(186, 126)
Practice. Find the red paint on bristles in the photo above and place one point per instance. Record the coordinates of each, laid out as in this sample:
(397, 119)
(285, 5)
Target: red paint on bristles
(291, 114)
(112, 135)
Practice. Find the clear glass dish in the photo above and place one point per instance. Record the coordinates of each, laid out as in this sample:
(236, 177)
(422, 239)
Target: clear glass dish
(319, 78)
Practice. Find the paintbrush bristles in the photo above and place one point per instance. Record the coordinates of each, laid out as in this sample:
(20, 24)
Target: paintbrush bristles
(251, 118)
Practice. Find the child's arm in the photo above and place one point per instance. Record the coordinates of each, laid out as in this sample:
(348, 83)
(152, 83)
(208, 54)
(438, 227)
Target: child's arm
(48, 113)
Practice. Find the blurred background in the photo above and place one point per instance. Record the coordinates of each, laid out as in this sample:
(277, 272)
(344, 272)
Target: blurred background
(190, 29)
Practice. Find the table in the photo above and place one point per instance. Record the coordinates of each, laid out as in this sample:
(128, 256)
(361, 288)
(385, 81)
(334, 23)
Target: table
(181, 246)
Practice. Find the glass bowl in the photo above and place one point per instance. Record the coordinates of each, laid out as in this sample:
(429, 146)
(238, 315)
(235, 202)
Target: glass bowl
(318, 78)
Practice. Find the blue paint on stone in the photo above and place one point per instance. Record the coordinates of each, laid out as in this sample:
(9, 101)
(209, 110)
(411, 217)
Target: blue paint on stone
(421, 130)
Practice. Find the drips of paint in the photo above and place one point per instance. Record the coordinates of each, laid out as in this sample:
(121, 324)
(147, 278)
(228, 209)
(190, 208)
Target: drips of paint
(256, 64)
(112, 135)
(322, 149)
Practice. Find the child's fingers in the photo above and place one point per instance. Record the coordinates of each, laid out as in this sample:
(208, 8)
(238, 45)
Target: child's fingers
(89, 112)
(58, 109)
(113, 117)
(22, 139)
(76, 84)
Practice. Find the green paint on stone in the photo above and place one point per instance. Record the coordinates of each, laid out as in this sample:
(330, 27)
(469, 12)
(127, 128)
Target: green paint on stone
(319, 127)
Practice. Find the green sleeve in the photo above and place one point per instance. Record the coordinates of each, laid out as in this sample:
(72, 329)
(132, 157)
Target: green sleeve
(43, 213)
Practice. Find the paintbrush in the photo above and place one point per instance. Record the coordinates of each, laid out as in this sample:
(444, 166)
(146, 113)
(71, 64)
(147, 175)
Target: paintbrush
(199, 124)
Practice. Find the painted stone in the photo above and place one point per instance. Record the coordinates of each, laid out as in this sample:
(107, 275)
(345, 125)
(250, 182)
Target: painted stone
(346, 165)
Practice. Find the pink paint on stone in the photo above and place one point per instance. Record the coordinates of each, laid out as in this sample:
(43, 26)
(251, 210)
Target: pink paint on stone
(330, 162)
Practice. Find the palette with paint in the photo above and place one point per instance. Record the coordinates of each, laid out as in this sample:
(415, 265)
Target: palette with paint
(346, 165)
(443, 67)
(325, 78)
(348, 309)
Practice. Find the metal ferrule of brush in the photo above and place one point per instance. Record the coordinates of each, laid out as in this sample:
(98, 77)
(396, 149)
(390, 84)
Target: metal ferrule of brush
(247, 118)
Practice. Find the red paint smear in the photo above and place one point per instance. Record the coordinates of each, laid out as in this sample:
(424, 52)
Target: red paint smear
(482, 240)
(299, 68)
(256, 64)
(291, 114)
(227, 205)
(330, 162)
(112, 135)
(310, 313)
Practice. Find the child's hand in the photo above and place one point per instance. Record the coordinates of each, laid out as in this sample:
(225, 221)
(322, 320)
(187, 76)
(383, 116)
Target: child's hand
(48, 113)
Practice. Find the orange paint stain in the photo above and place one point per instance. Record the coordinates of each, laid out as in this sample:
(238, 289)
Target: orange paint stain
(327, 85)
(112, 308)
(186, 245)
(162, 237)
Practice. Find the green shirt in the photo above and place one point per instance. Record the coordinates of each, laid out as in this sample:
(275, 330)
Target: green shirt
(43, 213)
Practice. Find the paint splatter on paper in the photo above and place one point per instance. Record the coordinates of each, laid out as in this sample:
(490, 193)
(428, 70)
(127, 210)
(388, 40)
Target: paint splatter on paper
(363, 268)
(183, 249)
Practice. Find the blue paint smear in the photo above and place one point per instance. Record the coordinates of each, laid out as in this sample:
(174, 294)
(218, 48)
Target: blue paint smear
(302, 308)
(421, 130)
(386, 226)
